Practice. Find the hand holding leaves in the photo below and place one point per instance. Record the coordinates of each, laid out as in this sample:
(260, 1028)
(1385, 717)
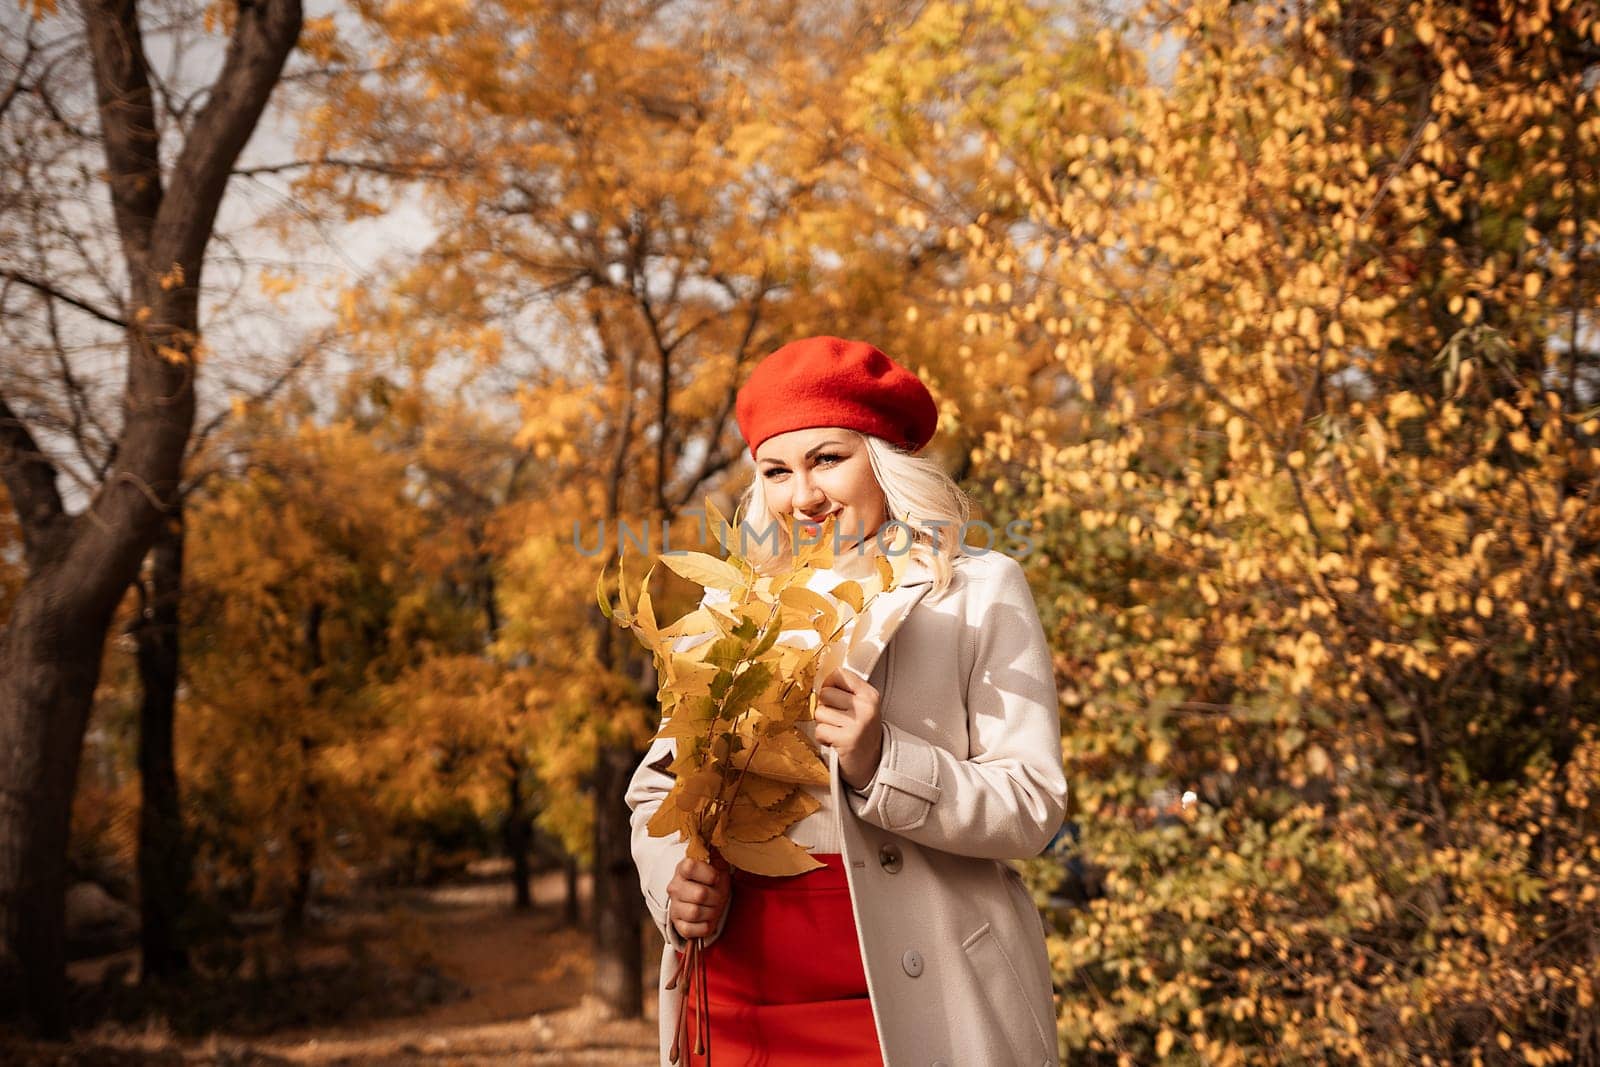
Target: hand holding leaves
(849, 719)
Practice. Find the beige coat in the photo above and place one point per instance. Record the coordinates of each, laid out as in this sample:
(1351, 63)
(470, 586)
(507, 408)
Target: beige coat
(971, 775)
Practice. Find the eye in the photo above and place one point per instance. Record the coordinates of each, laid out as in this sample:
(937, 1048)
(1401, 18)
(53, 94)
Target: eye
(830, 457)
(773, 472)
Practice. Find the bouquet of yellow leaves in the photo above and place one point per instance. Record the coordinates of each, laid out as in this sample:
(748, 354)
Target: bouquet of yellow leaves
(733, 697)
(733, 700)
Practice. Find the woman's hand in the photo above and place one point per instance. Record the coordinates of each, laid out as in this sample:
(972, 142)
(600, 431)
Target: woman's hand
(698, 895)
(848, 718)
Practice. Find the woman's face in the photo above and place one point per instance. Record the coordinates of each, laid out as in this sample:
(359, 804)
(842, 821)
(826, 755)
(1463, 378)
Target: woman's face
(815, 473)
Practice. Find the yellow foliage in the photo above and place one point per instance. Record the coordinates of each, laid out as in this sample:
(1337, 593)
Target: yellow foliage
(1308, 461)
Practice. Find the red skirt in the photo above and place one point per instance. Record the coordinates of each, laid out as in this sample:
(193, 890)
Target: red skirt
(785, 981)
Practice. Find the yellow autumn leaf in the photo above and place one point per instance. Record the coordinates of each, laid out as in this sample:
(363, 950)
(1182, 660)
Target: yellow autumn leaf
(787, 757)
(601, 597)
(669, 820)
(851, 593)
(718, 525)
(777, 857)
(644, 620)
(690, 718)
(830, 658)
(691, 791)
(705, 570)
(762, 791)
(810, 608)
(751, 823)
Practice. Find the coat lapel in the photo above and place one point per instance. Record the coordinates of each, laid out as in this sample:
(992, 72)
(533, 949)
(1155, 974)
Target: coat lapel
(874, 629)
(882, 616)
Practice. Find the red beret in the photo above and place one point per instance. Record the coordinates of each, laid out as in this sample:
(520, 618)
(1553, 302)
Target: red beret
(828, 381)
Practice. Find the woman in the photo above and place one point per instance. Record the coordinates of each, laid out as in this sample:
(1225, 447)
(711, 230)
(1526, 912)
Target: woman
(914, 943)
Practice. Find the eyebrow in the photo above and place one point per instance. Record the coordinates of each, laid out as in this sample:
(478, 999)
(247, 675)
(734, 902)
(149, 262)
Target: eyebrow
(810, 452)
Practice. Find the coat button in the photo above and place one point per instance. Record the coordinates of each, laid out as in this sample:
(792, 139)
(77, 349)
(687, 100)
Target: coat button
(889, 858)
(912, 962)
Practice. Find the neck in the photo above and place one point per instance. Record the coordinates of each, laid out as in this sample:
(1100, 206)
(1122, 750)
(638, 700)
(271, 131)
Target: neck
(856, 561)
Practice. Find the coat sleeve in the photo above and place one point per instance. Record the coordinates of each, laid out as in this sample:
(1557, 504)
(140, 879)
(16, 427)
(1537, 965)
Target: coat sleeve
(657, 857)
(1005, 800)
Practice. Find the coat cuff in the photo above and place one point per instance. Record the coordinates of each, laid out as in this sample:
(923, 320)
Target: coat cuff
(866, 788)
(655, 890)
(906, 785)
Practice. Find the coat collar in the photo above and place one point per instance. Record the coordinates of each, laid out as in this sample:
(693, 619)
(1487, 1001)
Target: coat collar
(883, 615)
(874, 628)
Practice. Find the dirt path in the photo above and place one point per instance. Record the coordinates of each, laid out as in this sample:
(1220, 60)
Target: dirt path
(511, 989)
(526, 980)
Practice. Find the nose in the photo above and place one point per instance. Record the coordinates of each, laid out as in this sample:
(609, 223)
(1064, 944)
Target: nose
(808, 495)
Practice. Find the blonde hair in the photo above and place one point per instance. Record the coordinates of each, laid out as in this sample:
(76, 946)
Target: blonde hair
(917, 492)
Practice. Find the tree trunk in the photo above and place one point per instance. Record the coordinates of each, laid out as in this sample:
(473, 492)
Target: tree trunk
(303, 840)
(616, 902)
(572, 914)
(618, 905)
(518, 834)
(49, 667)
(79, 566)
(305, 832)
(164, 868)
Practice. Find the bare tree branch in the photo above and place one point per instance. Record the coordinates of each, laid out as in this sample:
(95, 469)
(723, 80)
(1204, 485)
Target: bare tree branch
(22, 69)
(262, 39)
(372, 166)
(30, 478)
(127, 123)
(57, 116)
(53, 293)
(714, 462)
(262, 395)
(77, 396)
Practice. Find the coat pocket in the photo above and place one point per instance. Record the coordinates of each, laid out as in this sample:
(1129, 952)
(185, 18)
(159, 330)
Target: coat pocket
(1009, 1001)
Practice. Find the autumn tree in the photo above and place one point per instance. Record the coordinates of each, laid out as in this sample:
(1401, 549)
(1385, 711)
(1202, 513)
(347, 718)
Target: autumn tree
(483, 700)
(63, 294)
(1314, 464)
(301, 607)
(942, 116)
(164, 200)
